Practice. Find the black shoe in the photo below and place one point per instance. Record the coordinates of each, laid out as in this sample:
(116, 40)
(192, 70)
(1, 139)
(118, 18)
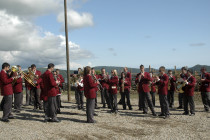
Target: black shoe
(154, 114)
(145, 112)
(160, 115)
(92, 121)
(96, 107)
(58, 112)
(104, 106)
(185, 113)
(40, 108)
(12, 117)
(207, 110)
(130, 108)
(166, 116)
(180, 107)
(61, 106)
(140, 108)
(46, 120)
(5, 120)
(95, 114)
(17, 111)
(193, 114)
(124, 108)
(55, 120)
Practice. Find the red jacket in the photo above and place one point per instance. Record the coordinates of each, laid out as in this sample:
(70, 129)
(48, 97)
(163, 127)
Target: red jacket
(103, 82)
(163, 85)
(60, 78)
(128, 75)
(113, 84)
(205, 85)
(18, 86)
(6, 84)
(153, 86)
(43, 95)
(173, 83)
(39, 80)
(89, 87)
(144, 82)
(189, 89)
(49, 84)
(127, 84)
(79, 87)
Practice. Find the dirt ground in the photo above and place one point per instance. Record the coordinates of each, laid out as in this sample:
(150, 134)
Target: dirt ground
(127, 124)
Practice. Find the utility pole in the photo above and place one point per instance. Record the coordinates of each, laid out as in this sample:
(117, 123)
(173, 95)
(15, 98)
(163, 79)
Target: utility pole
(67, 52)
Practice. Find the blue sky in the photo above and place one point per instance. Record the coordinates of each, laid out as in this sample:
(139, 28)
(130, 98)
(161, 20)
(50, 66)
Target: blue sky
(134, 32)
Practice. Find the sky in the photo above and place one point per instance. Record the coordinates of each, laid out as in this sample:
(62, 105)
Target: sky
(106, 33)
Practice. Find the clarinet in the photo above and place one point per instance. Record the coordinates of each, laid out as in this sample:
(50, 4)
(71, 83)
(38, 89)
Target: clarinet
(99, 85)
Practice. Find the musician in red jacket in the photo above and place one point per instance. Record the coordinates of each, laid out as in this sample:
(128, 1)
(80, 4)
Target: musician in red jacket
(28, 91)
(162, 82)
(184, 76)
(171, 88)
(143, 80)
(50, 90)
(103, 79)
(36, 91)
(80, 92)
(125, 84)
(153, 88)
(90, 93)
(58, 90)
(205, 88)
(93, 73)
(189, 93)
(17, 90)
(113, 82)
(7, 92)
(127, 75)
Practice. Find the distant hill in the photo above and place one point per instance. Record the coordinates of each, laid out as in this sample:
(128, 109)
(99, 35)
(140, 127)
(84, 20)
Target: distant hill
(120, 69)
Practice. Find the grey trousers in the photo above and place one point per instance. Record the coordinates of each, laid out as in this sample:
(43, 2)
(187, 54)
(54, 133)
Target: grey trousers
(103, 99)
(189, 100)
(76, 95)
(107, 97)
(113, 98)
(90, 106)
(153, 97)
(147, 100)
(180, 96)
(36, 97)
(206, 100)
(58, 101)
(126, 95)
(52, 107)
(18, 100)
(164, 104)
(80, 99)
(27, 96)
(171, 98)
(7, 107)
(141, 102)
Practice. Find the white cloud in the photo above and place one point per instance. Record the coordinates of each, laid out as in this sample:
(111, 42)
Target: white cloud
(30, 8)
(21, 43)
(76, 20)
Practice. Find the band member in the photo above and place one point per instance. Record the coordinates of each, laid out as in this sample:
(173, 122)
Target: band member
(127, 75)
(36, 91)
(90, 93)
(125, 84)
(113, 82)
(60, 78)
(58, 97)
(74, 83)
(80, 91)
(28, 91)
(17, 90)
(95, 77)
(205, 88)
(189, 93)
(104, 78)
(7, 92)
(171, 88)
(143, 80)
(50, 89)
(162, 82)
(153, 88)
(183, 75)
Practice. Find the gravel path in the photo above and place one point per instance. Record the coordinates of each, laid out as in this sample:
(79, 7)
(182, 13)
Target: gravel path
(125, 125)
